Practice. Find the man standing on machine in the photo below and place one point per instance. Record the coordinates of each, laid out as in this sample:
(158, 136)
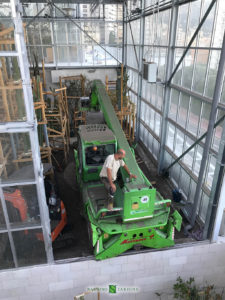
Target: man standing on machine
(109, 171)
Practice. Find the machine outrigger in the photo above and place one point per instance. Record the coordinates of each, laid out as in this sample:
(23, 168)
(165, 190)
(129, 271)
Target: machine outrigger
(140, 217)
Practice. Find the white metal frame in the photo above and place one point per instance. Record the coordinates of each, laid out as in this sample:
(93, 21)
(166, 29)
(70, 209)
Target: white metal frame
(29, 126)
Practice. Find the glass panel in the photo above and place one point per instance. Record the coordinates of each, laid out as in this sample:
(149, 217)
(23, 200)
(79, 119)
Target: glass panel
(165, 27)
(153, 94)
(156, 56)
(220, 23)
(87, 27)
(48, 55)
(200, 70)
(99, 55)
(148, 116)
(188, 63)
(150, 146)
(179, 142)
(205, 118)
(144, 89)
(22, 205)
(205, 32)
(12, 106)
(131, 57)
(6, 258)
(158, 29)
(147, 139)
(33, 34)
(46, 10)
(74, 34)
(135, 26)
(30, 247)
(5, 9)
(120, 51)
(111, 34)
(177, 76)
(135, 82)
(210, 171)
(30, 10)
(101, 33)
(46, 36)
(198, 159)
(218, 132)
(75, 54)
(97, 157)
(148, 91)
(188, 158)
(194, 115)
(182, 25)
(157, 123)
(160, 90)
(141, 132)
(174, 100)
(184, 181)
(143, 110)
(88, 55)
(175, 172)
(183, 109)
(112, 11)
(17, 157)
(35, 55)
(192, 191)
(145, 136)
(213, 68)
(63, 54)
(111, 59)
(147, 33)
(6, 28)
(170, 136)
(204, 206)
(119, 12)
(152, 119)
(147, 53)
(194, 16)
(61, 32)
(162, 64)
(155, 148)
(167, 159)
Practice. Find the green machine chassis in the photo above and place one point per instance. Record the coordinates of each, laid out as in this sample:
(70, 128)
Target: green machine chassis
(141, 217)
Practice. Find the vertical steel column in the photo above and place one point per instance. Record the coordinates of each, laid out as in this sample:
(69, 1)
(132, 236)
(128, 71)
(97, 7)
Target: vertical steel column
(124, 35)
(217, 199)
(140, 69)
(169, 70)
(44, 213)
(28, 99)
(217, 196)
(212, 120)
(56, 55)
(219, 213)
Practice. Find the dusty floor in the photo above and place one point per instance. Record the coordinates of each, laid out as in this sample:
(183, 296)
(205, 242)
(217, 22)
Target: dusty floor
(78, 245)
(75, 241)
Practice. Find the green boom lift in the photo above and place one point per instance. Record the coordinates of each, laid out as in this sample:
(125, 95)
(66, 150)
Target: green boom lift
(140, 217)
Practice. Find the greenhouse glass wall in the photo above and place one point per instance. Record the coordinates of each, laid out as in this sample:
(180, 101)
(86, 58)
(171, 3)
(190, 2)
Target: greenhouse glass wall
(172, 115)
